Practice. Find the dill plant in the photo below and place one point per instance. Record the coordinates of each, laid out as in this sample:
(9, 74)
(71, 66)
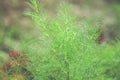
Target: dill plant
(66, 48)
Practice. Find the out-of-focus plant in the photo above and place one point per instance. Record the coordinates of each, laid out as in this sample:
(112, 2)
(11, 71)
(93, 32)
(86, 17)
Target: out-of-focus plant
(117, 11)
(15, 67)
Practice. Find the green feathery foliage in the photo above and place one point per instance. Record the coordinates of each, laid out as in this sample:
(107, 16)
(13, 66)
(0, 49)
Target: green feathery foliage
(66, 48)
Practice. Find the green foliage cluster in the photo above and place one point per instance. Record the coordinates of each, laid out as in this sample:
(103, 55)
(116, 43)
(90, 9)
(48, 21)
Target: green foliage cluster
(66, 48)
